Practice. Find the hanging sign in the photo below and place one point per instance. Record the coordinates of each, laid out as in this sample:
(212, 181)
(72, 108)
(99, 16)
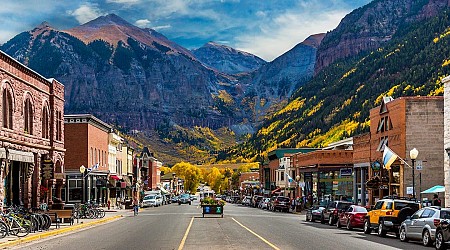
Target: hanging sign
(47, 169)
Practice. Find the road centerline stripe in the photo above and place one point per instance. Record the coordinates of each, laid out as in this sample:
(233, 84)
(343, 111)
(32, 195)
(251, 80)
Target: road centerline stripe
(257, 235)
(186, 234)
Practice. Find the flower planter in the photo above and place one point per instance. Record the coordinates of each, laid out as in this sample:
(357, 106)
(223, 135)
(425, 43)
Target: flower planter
(212, 209)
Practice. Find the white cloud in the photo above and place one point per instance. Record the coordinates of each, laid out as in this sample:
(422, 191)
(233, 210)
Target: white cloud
(281, 33)
(162, 27)
(86, 13)
(124, 1)
(143, 23)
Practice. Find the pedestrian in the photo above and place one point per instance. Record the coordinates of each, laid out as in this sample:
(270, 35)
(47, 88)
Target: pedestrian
(436, 200)
(135, 205)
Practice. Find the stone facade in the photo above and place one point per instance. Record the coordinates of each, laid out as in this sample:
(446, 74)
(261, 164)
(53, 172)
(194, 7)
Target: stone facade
(446, 83)
(31, 131)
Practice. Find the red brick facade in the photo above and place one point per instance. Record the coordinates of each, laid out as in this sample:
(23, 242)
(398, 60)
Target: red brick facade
(31, 130)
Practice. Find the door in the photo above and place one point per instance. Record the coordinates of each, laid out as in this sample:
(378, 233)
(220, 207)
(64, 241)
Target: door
(415, 227)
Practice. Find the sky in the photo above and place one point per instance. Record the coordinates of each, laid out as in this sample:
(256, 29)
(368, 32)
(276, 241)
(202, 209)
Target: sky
(266, 28)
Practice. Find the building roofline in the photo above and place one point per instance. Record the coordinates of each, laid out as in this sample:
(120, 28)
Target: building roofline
(91, 119)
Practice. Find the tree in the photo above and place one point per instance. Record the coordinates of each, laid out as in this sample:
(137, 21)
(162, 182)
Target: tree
(191, 174)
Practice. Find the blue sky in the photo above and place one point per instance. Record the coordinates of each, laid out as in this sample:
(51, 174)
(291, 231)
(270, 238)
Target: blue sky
(266, 28)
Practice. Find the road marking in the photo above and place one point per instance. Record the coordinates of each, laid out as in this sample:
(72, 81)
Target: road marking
(261, 238)
(186, 234)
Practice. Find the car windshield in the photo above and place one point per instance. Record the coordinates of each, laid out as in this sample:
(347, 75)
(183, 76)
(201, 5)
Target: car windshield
(184, 196)
(445, 214)
(343, 205)
(361, 209)
(149, 197)
(399, 205)
(283, 199)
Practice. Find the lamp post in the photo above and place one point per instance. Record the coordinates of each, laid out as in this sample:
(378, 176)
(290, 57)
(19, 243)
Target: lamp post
(413, 154)
(82, 170)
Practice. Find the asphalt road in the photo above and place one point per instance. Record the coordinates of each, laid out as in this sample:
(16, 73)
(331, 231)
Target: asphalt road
(182, 227)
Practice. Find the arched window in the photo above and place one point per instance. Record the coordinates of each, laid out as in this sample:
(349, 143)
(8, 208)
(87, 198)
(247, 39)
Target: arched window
(59, 121)
(7, 109)
(45, 124)
(28, 115)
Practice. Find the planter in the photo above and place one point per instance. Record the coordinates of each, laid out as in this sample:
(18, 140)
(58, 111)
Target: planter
(212, 209)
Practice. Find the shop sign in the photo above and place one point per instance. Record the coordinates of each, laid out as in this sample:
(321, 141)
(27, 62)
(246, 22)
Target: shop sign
(376, 165)
(47, 169)
(384, 187)
(346, 171)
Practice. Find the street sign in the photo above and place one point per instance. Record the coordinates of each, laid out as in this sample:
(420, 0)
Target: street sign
(47, 169)
(409, 190)
(419, 165)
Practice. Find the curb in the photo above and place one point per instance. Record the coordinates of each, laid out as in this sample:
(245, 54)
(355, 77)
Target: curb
(56, 232)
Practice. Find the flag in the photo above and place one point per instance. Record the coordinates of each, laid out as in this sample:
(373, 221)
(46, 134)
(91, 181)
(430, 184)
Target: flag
(95, 166)
(388, 157)
(289, 178)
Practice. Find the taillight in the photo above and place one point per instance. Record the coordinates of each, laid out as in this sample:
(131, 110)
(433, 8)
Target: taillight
(436, 222)
(335, 211)
(389, 213)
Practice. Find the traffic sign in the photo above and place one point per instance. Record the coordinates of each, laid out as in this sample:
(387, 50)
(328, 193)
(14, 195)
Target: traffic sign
(419, 165)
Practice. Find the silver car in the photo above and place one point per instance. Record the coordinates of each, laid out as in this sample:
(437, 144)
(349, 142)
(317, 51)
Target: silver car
(422, 225)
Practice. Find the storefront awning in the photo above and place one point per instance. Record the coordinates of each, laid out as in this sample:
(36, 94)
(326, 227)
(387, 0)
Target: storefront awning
(276, 190)
(126, 179)
(114, 177)
(16, 155)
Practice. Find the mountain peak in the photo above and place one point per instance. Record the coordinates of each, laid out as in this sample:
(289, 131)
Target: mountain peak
(110, 19)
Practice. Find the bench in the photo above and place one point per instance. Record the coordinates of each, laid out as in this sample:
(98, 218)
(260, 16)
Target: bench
(59, 215)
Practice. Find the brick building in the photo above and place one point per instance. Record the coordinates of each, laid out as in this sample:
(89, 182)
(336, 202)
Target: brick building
(31, 135)
(87, 144)
(149, 167)
(403, 124)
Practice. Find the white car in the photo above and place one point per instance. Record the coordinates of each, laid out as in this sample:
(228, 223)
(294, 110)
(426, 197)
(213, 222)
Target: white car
(159, 200)
(151, 201)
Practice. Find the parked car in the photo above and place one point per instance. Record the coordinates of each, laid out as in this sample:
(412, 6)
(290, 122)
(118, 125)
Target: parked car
(353, 217)
(388, 214)
(150, 201)
(443, 230)
(264, 203)
(281, 203)
(246, 200)
(314, 213)
(175, 199)
(184, 199)
(422, 225)
(256, 199)
(331, 212)
(159, 200)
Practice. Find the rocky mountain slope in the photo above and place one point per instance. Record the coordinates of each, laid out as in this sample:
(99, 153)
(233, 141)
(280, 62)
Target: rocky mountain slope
(335, 104)
(372, 25)
(226, 59)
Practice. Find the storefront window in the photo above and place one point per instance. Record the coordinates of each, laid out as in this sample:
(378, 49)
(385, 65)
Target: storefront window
(335, 185)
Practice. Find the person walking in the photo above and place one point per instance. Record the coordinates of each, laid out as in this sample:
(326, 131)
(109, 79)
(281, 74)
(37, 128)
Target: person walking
(135, 205)
(436, 200)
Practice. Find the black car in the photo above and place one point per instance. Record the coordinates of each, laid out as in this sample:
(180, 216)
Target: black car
(184, 199)
(281, 203)
(443, 231)
(314, 213)
(331, 212)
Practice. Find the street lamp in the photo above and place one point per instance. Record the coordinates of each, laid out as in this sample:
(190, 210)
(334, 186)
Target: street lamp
(82, 170)
(413, 154)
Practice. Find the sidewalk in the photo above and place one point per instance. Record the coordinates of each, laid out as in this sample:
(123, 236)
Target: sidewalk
(110, 215)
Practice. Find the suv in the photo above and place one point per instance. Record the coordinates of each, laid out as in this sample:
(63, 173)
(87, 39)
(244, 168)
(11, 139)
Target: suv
(443, 230)
(184, 199)
(388, 214)
(422, 224)
(281, 203)
(332, 210)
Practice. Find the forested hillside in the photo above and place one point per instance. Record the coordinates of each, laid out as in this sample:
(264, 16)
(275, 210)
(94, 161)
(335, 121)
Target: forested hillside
(336, 103)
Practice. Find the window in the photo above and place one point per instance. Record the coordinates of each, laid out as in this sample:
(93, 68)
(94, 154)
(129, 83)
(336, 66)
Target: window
(59, 121)
(427, 213)
(379, 205)
(45, 124)
(28, 117)
(7, 110)
(389, 205)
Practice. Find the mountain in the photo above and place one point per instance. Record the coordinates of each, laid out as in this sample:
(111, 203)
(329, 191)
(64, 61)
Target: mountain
(335, 103)
(274, 82)
(226, 59)
(372, 25)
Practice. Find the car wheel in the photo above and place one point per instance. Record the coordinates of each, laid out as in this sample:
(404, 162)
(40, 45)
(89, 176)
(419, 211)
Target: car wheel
(426, 238)
(349, 225)
(367, 229)
(403, 234)
(381, 232)
(330, 220)
(338, 223)
(307, 219)
(440, 244)
(312, 218)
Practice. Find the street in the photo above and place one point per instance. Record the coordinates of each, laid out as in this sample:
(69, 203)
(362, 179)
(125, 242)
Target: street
(176, 226)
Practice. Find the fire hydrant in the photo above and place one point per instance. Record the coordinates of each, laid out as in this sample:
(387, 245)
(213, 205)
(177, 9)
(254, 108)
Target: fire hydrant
(109, 204)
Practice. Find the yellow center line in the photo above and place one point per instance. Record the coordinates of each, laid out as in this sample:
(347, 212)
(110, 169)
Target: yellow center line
(186, 234)
(261, 238)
